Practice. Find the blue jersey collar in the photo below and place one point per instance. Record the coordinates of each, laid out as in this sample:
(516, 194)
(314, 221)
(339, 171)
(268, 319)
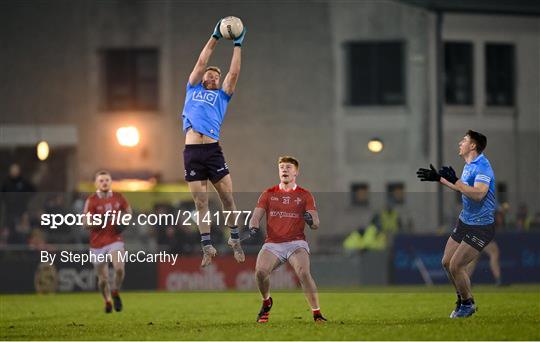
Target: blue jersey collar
(477, 158)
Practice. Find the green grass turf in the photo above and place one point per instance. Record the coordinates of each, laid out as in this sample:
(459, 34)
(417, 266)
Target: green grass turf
(387, 313)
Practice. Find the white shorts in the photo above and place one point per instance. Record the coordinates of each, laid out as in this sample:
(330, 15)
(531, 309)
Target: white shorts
(283, 250)
(107, 249)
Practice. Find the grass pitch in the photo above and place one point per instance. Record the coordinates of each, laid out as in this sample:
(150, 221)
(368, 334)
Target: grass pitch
(388, 313)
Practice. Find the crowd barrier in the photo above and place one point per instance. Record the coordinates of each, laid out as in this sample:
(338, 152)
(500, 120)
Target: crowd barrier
(416, 259)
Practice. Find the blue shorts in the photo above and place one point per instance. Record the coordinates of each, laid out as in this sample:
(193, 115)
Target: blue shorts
(204, 161)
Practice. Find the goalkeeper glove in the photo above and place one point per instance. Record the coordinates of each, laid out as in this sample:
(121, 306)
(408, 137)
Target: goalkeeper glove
(217, 33)
(448, 173)
(428, 175)
(238, 41)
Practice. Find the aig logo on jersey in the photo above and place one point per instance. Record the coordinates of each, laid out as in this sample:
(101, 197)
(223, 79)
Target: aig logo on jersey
(209, 97)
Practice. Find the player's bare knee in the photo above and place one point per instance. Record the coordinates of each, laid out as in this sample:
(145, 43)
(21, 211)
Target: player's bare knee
(102, 281)
(228, 202)
(446, 263)
(119, 271)
(455, 267)
(303, 274)
(262, 273)
(201, 204)
(229, 205)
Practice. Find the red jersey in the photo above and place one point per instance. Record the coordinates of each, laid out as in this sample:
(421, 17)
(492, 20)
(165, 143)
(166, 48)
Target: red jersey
(95, 204)
(285, 213)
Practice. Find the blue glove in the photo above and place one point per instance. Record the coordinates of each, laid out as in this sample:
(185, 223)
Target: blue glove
(238, 41)
(448, 173)
(308, 218)
(217, 33)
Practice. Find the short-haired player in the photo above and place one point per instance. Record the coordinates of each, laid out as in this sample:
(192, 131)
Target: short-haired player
(107, 240)
(475, 227)
(287, 207)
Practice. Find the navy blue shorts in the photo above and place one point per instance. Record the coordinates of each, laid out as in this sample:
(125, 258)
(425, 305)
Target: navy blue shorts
(477, 236)
(204, 161)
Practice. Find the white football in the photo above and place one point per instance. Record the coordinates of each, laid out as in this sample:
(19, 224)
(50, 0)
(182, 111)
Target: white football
(231, 27)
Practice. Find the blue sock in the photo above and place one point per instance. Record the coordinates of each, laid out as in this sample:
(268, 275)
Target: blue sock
(235, 232)
(205, 239)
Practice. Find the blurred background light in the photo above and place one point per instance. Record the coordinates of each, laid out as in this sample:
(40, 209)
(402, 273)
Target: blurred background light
(375, 145)
(42, 150)
(127, 136)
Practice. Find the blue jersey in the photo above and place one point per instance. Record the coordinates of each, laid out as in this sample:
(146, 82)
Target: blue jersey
(204, 110)
(479, 212)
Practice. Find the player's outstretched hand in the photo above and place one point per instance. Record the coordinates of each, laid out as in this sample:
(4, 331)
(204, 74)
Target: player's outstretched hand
(308, 218)
(217, 33)
(428, 175)
(253, 232)
(120, 228)
(238, 41)
(448, 173)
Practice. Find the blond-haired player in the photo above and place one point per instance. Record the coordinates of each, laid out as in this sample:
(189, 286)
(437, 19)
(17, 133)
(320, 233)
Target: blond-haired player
(288, 208)
(204, 111)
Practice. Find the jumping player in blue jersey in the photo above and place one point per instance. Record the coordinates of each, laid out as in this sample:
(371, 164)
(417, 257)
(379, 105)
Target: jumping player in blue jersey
(475, 227)
(205, 107)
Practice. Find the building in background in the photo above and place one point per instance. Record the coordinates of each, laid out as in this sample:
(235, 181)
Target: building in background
(320, 88)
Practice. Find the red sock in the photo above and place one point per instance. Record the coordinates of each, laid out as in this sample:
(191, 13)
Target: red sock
(267, 302)
(114, 293)
(316, 312)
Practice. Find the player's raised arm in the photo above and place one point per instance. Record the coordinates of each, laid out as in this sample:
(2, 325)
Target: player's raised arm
(198, 71)
(229, 84)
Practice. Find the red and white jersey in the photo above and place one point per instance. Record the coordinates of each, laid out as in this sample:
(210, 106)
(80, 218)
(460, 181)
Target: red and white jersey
(100, 204)
(285, 212)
